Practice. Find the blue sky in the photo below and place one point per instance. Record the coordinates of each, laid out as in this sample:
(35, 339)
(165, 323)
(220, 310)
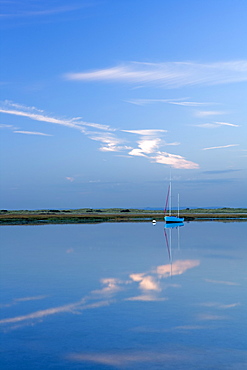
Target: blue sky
(100, 99)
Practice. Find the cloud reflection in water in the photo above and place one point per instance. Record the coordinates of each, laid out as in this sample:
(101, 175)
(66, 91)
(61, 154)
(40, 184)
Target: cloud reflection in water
(148, 283)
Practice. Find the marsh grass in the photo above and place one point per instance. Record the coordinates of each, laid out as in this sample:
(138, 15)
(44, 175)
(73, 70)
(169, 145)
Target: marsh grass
(89, 215)
(121, 211)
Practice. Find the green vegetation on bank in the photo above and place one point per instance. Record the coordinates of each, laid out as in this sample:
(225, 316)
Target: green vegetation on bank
(215, 210)
(89, 215)
(122, 210)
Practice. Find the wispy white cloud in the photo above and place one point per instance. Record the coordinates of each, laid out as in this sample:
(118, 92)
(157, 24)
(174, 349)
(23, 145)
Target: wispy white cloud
(190, 103)
(216, 125)
(128, 359)
(9, 103)
(146, 298)
(147, 101)
(220, 305)
(137, 153)
(35, 9)
(23, 299)
(169, 74)
(111, 143)
(211, 317)
(172, 144)
(220, 147)
(150, 141)
(186, 327)
(8, 107)
(111, 139)
(179, 101)
(209, 113)
(226, 124)
(145, 132)
(10, 127)
(207, 125)
(32, 298)
(146, 146)
(31, 133)
(17, 131)
(231, 283)
(39, 117)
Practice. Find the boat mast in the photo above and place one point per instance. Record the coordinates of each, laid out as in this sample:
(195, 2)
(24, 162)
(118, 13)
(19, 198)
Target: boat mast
(178, 205)
(170, 211)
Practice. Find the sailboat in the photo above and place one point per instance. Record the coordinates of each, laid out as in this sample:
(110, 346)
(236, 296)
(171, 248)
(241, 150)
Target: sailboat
(170, 218)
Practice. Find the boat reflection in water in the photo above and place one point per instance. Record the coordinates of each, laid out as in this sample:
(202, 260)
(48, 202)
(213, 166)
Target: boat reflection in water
(173, 226)
(168, 238)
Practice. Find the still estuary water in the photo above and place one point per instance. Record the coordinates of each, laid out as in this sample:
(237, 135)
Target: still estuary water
(124, 296)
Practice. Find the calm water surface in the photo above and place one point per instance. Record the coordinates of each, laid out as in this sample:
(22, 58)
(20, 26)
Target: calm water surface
(124, 296)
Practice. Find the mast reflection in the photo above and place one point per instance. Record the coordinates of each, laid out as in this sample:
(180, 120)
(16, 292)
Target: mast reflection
(168, 239)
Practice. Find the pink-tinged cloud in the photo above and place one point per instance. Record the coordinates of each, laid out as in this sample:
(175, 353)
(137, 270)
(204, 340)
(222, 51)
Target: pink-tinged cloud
(174, 160)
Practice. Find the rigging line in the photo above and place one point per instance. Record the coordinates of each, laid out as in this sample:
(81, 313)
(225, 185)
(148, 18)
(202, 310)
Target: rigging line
(167, 199)
(167, 244)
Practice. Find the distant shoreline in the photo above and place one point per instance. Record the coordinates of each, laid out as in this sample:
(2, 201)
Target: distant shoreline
(87, 215)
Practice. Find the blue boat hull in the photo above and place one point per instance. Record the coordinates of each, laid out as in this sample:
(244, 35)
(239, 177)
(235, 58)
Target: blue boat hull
(173, 219)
